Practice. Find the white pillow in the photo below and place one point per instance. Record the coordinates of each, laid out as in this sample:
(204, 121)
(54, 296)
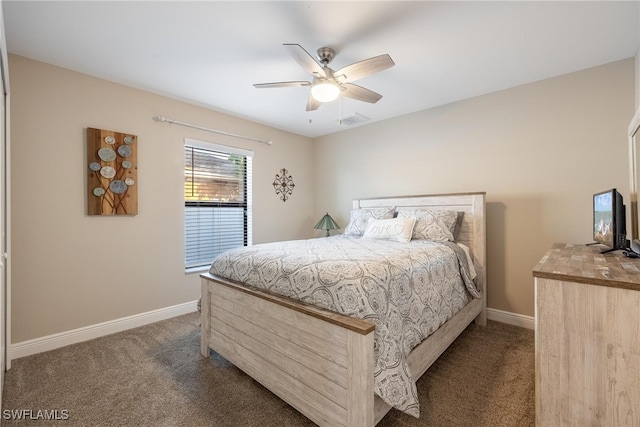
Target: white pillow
(360, 218)
(431, 224)
(397, 229)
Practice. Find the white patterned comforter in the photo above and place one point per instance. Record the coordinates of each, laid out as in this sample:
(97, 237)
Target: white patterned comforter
(407, 289)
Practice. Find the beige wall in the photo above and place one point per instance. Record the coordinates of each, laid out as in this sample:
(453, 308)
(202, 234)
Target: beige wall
(540, 151)
(70, 270)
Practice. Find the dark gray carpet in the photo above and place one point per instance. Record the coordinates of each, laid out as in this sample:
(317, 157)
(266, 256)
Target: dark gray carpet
(155, 376)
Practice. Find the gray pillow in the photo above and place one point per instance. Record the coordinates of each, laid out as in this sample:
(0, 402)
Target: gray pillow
(438, 226)
(458, 226)
(359, 219)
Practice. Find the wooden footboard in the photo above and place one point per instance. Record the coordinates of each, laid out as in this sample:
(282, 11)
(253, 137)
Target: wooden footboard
(318, 361)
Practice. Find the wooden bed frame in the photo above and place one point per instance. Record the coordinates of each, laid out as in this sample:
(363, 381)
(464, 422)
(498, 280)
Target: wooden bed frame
(318, 361)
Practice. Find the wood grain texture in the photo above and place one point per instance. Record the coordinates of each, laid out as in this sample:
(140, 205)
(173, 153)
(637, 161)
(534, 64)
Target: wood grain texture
(205, 319)
(359, 380)
(354, 324)
(585, 264)
(110, 202)
(309, 363)
(587, 343)
(318, 361)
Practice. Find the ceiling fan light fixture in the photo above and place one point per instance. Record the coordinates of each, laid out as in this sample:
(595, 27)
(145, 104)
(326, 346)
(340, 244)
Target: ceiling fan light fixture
(325, 91)
(327, 84)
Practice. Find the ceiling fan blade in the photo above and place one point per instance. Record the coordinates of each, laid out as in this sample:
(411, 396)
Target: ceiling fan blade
(281, 84)
(313, 104)
(361, 94)
(364, 68)
(305, 60)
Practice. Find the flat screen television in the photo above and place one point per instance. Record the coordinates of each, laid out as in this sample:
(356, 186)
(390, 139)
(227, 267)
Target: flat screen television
(609, 220)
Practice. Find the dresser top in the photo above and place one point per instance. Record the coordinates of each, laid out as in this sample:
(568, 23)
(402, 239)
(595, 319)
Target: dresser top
(585, 264)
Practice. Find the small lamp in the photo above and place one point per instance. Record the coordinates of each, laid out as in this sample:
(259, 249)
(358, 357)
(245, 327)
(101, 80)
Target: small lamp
(327, 223)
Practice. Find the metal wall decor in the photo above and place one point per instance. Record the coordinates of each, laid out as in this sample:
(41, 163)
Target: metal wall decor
(112, 173)
(283, 184)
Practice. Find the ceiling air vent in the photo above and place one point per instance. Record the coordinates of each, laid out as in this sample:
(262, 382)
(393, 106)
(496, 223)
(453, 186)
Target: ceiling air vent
(353, 119)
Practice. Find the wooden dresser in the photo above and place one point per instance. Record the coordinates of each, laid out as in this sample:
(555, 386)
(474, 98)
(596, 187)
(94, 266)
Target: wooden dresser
(587, 337)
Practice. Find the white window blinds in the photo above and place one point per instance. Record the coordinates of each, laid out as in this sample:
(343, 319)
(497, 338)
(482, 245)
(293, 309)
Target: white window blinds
(217, 200)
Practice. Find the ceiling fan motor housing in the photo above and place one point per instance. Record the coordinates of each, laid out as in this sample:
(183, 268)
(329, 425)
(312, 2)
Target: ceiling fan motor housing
(325, 55)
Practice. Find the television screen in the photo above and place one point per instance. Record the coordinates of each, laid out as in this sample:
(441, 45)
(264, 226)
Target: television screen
(603, 218)
(609, 220)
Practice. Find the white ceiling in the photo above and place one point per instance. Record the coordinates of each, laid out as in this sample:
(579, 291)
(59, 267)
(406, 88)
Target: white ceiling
(211, 52)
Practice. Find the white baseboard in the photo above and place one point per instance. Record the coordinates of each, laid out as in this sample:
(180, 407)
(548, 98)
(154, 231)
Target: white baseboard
(51, 342)
(511, 318)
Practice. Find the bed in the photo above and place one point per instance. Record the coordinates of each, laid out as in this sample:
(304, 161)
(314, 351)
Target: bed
(322, 362)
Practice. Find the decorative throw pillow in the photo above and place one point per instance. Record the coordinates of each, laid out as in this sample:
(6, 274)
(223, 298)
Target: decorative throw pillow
(438, 226)
(359, 219)
(397, 229)
(458, 226)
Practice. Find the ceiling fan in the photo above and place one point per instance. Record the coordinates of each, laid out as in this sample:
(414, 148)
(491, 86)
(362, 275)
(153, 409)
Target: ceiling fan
(327, 84)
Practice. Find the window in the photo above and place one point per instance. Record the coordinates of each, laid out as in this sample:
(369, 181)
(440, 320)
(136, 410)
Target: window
(217, 200)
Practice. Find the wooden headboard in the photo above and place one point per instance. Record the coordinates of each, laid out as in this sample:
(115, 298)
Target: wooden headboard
(472, 232)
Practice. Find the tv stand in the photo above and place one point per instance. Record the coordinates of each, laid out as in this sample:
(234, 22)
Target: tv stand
(606, 250)
(612, 249)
